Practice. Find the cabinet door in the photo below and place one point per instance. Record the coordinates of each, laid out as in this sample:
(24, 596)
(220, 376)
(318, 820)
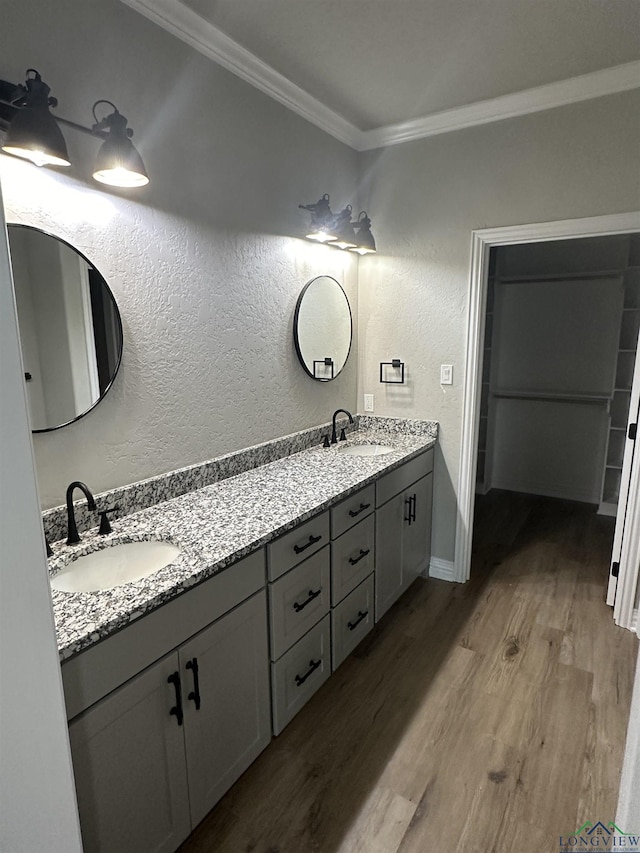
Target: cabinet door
(232, 724)
(390, 523)
(417, 534)
(129, 765)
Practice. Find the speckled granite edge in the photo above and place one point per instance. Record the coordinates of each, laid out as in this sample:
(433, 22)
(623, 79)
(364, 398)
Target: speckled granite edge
(405, 426)
(218, 524)
(164, 487)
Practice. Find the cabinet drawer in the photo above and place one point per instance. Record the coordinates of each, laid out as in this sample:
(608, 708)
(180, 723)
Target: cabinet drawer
(351, 620)
(354, 509)
(298, 600)
(299, 673)
(396, 481)
(295, 546)
(352, 558)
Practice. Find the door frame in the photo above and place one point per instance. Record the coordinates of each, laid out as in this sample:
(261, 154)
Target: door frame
(482, 241)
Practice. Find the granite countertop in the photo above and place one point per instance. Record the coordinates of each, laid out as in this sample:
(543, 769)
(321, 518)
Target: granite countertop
(217, 525)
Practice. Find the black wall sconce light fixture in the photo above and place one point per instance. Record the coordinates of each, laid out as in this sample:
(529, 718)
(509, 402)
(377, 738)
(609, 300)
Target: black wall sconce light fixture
(337, 229)
(33, 133)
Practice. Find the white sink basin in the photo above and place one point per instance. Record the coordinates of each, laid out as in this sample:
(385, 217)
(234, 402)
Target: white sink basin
(365, 449)
(114, 565)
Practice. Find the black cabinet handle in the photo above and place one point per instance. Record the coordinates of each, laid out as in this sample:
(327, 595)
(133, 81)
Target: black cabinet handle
(312, 541)
(361, 555)
(298, 607)
(407, 501)
(355, 512)
(176, 711)
(195, 693)
(313, 665)
(415, 501)
(353, 625)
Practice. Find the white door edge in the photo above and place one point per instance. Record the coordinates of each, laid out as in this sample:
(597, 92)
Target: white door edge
(629, 552)
(616, 587)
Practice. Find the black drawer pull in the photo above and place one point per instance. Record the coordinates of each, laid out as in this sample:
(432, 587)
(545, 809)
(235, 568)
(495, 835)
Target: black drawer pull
(176, 711)
(194, 695)
(354, 512)
(298, 607)
(313, 665)
(415, 501)
(312, 541)
(353, 625)
(361, 555)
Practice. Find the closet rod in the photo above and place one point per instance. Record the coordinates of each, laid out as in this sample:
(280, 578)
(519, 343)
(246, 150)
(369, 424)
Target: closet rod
(553, 397)
(548, 277)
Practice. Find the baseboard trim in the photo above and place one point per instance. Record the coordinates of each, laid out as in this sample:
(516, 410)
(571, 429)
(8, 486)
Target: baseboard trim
(564, 491)
(608, 509)
(444, 570)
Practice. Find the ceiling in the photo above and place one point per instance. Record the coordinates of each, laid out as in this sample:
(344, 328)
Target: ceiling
(371, 64)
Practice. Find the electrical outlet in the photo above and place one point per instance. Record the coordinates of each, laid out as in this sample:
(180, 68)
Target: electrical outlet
(368, 402)
(446, 374)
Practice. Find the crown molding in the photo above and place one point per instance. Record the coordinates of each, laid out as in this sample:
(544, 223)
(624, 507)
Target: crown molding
(203, 36)
(609, 81)
(207, 39)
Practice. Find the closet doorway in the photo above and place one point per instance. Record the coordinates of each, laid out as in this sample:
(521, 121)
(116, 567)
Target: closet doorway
(552, 336)
(560, 340)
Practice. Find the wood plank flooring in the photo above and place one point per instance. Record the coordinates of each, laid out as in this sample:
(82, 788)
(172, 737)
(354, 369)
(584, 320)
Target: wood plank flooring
(488, 717)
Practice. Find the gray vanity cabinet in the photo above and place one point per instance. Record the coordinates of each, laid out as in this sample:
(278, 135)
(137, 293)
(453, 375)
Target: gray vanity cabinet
(403, 528)
(154, 755)
(352, 567)
(351, 621)
(416, 540)
(130, 768)
(299, 595)
(232, 724)
(390, 525)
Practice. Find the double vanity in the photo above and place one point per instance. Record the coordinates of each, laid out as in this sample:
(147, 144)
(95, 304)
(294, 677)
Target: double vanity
(175, 682)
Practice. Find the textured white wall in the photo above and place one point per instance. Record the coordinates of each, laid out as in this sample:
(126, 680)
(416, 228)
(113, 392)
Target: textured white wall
(202, 262)
(425, 199)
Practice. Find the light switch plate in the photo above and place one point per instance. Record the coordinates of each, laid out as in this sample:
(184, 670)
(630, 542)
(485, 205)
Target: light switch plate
(446, 374)
(368, 402)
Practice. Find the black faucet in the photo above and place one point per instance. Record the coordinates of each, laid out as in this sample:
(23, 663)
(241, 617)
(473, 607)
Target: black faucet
(72, 530)
(334, 437)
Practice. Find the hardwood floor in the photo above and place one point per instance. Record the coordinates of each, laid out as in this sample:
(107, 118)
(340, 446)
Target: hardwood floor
(488, 717)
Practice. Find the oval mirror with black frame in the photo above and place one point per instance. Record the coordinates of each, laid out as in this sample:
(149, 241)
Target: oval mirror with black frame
(323, 328)
(70, 327)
